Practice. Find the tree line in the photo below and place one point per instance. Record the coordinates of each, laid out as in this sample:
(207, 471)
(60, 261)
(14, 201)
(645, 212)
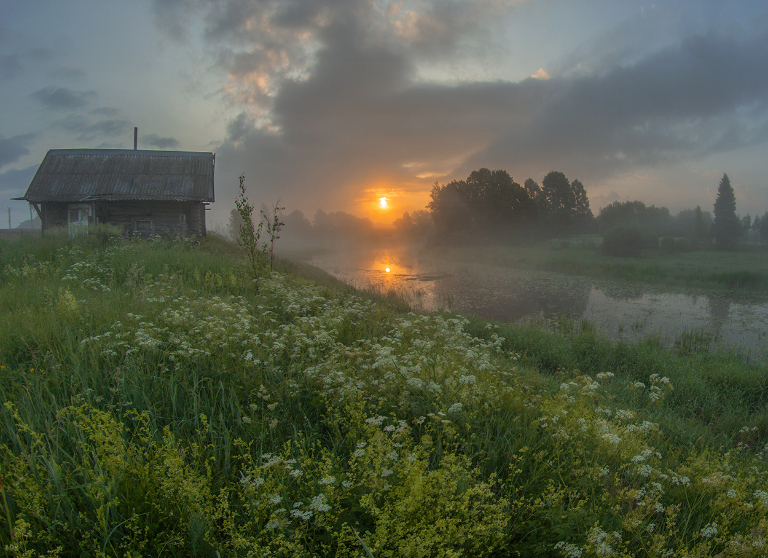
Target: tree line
(628, 227)
(492, 202)
(489, 204)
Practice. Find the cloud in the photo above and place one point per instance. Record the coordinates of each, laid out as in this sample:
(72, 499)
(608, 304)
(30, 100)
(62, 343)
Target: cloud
(240, 126)
(69, 73)
(10, 66)
(87, 131)
(332, 101)
(106, 111)
(707, 95)
(540, 74)
(598, 202)
(157, 141)
(62, 98)
(173, 16)
(14, 183)
(12, 149)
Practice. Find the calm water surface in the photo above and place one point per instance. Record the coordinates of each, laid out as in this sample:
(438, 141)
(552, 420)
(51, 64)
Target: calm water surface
(620, 310)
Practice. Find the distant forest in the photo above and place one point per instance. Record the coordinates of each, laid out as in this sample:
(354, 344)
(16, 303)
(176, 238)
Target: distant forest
(491, 206)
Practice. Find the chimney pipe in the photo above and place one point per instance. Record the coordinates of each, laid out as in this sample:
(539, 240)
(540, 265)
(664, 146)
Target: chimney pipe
(135, 138)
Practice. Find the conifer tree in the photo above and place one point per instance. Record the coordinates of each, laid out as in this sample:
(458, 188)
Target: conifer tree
(726, 226)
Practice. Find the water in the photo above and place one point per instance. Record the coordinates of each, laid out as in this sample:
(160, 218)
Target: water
(689, 318)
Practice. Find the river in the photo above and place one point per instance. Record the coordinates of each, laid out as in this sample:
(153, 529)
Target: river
(620, 310)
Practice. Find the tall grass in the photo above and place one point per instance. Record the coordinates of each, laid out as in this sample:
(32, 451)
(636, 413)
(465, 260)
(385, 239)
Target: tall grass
(745, 269)
(155, 402)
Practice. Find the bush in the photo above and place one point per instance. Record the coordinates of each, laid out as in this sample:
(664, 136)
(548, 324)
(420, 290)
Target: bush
(671, 245)
(621, 242)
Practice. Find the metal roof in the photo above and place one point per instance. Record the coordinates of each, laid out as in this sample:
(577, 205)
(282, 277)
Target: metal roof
(78, 175)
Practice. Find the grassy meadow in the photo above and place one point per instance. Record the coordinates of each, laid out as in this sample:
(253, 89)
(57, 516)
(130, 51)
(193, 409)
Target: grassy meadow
(157, 402)
(744, 269)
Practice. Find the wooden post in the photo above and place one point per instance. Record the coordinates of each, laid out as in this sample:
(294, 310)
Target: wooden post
(9, 218)
(135, 138)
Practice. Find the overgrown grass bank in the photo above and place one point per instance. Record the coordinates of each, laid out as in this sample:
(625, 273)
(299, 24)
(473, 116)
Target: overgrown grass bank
(154, 404)
(745, 269)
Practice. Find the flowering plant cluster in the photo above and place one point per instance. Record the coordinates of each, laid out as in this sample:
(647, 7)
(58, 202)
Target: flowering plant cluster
(165, 405)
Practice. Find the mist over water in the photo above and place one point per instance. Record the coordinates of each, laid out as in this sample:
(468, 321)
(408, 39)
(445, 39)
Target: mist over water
(428, 280)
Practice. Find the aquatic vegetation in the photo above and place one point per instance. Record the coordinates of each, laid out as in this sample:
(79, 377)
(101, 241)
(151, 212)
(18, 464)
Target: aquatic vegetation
(155, 403)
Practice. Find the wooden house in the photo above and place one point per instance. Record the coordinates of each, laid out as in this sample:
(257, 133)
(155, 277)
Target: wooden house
(143, 192)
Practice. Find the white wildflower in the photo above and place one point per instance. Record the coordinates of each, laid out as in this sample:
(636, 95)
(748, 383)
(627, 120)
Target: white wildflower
(570, 550)
(416, 383)
(455, 408)
(611, 438)
(300, 514)
(762, 495)
(275, 499)
(320, 504)
(432, 386)
(709, 530)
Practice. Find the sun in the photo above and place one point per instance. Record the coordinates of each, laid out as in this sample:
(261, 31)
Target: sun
(383, 203)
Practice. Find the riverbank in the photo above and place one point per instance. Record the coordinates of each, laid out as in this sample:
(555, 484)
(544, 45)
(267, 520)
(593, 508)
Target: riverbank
(745, 269)
(154, 402)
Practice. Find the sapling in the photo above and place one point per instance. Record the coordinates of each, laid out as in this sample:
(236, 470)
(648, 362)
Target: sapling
(249, 233)
(273, 228)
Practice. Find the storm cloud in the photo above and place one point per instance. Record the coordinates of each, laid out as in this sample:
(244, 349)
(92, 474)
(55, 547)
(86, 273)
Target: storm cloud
(62, 98)
(333, 99)
(13, 148)
(85, 130)
(14, 183)
(708, 95)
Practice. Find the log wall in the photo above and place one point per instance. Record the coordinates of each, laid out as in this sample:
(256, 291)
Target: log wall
(164, 218)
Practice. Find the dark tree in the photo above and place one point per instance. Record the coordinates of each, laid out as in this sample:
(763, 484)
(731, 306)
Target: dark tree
(726, 227)
(559, 203)
(535, 195)
(700, 228)
(635, 214)
(450, 212)
(487, 201)
(746, 223)
(584, 217)
(557, 193)
(496, 198)
(763, 227)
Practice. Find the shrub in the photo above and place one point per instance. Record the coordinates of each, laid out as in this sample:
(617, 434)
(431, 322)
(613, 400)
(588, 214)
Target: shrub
(667, 244)
(622, 242)
(670, 245)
